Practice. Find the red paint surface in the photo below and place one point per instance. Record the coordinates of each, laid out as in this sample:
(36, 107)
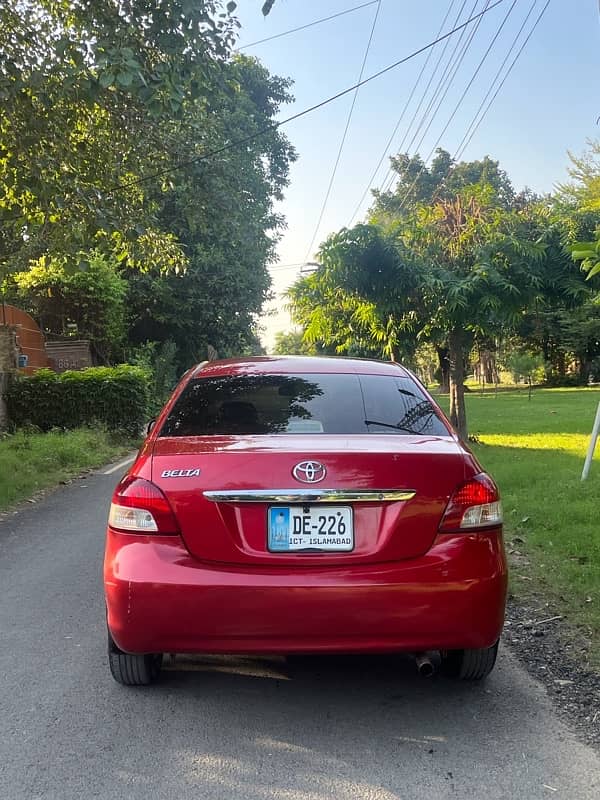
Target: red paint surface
(30, 339)
(216, 588)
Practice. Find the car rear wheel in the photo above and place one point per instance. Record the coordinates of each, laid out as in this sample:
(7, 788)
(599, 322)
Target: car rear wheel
(469, 665)
(132, 669)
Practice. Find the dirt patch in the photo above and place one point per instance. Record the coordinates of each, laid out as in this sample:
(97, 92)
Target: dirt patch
(555, 653)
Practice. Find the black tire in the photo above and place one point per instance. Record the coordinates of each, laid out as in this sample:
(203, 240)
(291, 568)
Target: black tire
(132, 669)
(469, 665)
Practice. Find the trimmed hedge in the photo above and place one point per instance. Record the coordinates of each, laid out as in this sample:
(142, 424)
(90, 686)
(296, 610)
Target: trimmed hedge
(113, 396)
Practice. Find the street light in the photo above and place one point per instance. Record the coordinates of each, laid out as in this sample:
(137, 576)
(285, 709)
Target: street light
(309, 267)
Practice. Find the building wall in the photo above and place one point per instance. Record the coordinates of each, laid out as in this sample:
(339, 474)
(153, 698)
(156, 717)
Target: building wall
(72, 354)
(30, 339)
(8, 363)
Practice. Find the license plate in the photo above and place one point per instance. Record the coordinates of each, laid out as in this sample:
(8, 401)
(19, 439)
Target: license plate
(316, 528)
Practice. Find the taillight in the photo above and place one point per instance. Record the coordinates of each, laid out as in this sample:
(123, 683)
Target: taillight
(475, 504)
(140, 507)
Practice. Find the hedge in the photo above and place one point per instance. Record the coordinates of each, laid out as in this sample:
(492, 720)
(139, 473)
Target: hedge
(113, 396)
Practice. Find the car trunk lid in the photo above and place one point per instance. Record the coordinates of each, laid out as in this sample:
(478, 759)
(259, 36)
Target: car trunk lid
(221, 490)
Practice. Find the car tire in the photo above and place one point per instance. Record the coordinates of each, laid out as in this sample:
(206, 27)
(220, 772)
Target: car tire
(469, 665)
(133, 669)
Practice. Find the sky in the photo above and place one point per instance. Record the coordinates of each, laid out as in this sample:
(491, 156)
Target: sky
(549, 104)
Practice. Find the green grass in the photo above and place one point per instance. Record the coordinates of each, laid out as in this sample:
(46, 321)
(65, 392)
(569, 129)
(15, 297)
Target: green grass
(535, 450)
(33, 461)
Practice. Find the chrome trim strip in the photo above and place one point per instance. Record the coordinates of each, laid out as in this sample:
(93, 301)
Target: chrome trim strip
(309, 495)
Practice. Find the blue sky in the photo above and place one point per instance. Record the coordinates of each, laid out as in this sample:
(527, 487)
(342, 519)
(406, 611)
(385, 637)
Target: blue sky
(548, 105)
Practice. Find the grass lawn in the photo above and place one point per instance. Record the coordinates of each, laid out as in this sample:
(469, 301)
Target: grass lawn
(33, 461)
(535, 451)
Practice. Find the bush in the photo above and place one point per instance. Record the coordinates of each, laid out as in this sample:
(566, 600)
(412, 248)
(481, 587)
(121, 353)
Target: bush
(159, 360)
(113, 396)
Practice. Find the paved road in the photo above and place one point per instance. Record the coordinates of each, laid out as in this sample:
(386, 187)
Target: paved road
(339, 729)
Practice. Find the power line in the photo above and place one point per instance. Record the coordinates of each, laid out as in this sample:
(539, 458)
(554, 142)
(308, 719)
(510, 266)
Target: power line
(459, 103)
(308, 25)
(502, 82)
(389, 178)
(472, 129)
(443, 87)
(285, 266)
(400, 118)
(453, 73)
(468, 135)
(274, 126)
(344, 135)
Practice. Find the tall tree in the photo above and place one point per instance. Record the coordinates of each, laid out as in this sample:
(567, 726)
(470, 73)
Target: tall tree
(450, 271)
(107, 109)
(416, 184)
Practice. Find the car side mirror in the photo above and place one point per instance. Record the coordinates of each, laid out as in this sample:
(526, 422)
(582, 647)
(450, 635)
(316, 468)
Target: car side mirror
(150, 426)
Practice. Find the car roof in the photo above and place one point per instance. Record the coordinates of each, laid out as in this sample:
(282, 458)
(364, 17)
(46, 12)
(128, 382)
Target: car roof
(268, 365)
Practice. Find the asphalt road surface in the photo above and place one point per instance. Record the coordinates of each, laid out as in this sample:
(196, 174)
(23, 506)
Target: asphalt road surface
(329, 728)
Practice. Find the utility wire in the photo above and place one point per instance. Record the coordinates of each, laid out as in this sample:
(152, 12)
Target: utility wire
(455, 68)
(399, 122)
(308, 25)
(472, 129)
(468, 135)
(459, 103)
(285, 266)
(502, 82)
(389, 178)
(275, 125)
(345, 134)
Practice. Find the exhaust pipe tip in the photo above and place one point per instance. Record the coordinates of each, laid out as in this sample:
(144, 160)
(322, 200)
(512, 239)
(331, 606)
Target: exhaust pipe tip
(425, 666)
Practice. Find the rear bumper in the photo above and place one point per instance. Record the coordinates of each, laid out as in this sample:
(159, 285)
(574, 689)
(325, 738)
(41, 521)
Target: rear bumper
(160, 599)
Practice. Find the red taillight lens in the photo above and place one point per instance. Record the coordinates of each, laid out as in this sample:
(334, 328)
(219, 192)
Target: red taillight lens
(140, 507)
(475, 504)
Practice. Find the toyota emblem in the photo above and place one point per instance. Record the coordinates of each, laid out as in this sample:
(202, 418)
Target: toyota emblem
(309, 472)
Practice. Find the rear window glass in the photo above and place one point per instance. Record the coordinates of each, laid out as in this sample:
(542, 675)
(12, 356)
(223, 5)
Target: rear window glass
(302, 404)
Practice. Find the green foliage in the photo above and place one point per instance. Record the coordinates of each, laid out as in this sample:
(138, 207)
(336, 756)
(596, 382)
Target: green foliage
(581, 199)
(103, 126)
(113, 396)
(293, 343)
(227, 239)
(459, 262)
(535, 451)
(90, 296)
(84, 99)
(583, 190)
(589, 255)
(361, 302)
(159, 361)
(33, 461)
(417, 184)
(525, 365)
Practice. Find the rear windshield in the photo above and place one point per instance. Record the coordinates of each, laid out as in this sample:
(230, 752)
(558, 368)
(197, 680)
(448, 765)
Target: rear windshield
(302, 404)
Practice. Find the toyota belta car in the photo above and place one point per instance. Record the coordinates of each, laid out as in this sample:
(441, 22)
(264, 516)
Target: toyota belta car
(298, 505)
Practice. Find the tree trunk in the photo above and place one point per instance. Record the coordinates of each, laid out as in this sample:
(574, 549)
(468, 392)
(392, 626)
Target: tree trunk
(458, 413)
(442, 354)
(488, 365)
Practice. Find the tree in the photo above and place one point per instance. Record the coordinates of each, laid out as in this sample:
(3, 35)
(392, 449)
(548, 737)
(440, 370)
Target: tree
(92, 299)
(104, 125)
(86, 102)
(525, 364)
(476, 272)
(360, 302)
(580, 199)
(448, 272)
(416, 184)
(221, 213)
(291, 343)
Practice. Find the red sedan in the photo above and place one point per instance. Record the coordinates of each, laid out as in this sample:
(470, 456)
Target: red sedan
(304, 505)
